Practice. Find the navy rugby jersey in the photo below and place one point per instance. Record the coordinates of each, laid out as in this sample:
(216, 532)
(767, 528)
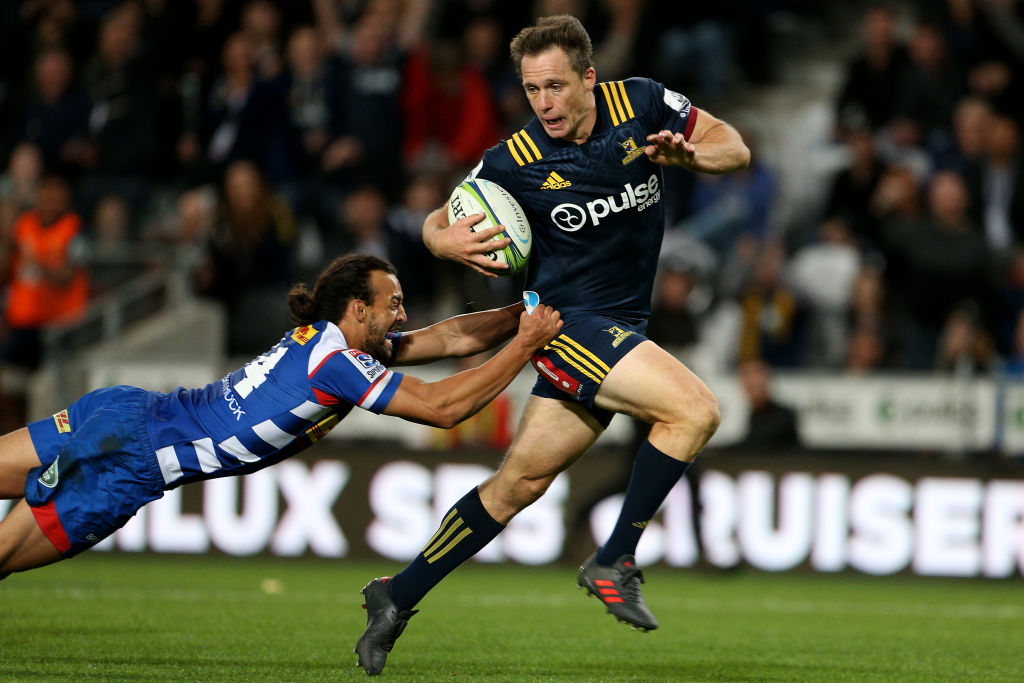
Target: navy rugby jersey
(595, 209)
(275, 406)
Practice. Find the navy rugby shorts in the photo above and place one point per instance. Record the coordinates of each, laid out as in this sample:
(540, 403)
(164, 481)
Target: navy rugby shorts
(98, 468)
(573, 364)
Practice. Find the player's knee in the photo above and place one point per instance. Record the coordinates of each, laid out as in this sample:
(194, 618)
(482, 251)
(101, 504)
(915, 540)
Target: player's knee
(707, 413)
(698, 411)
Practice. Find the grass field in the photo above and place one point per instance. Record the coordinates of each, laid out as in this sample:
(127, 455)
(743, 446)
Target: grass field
(102, 617)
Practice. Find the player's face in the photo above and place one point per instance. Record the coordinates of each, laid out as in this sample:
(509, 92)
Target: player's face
(387, 314)
(562, 99)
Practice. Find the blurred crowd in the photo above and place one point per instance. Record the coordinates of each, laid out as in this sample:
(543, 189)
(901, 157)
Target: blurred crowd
(256, 139)
(914, 260)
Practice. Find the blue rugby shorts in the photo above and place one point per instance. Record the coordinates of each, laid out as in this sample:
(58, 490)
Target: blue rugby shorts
(573, 364)
(98, 468)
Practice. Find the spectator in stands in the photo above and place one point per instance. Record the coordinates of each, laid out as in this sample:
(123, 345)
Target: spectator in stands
(927, 91)
(965, 347)
(450, 113)
(966, 147)
(823, 275)
(946, 263)
(688, 47)
(420, 270)
(485, 51)
(723, 207)
(244, 118)
(872, 76)
(850, 196)
(261, 28)
(48, 284)
(674, 323)
(985, 37)
(772, 425)
(366, 147)
(55, 117)
(206, 31)
(772, 322)
(18, 188)
(363, 214)
(313, 98)
(896, 200)
(20, 182)
(122, 116)
(251, 256)
(865, 351)
(996, 186)
(868, 320)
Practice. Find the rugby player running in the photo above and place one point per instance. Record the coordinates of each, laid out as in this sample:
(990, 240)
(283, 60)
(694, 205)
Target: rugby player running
(86, 470)
(587, 171)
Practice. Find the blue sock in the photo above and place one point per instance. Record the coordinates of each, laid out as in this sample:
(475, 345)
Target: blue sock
(654, 475)
(465, 530)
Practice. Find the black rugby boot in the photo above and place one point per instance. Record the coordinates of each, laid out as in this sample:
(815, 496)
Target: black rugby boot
(618, 587)
(384, 623)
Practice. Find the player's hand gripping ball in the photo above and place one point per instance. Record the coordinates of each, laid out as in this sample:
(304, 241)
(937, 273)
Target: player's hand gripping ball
(500, 208)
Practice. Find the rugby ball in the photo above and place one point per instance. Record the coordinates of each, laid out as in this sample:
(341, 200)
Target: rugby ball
(500, 208)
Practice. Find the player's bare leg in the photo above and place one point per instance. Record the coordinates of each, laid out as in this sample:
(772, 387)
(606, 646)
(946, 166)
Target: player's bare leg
(552, 436)
(650, 384)
(22, 544)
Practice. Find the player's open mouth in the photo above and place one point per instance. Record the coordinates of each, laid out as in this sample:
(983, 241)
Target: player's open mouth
(551, 123)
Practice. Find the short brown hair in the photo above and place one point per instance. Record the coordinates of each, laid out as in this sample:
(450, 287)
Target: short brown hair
(561, 31)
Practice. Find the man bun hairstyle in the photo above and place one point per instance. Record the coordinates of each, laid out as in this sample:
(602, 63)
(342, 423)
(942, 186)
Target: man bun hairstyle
(563, 31)
(345, 279)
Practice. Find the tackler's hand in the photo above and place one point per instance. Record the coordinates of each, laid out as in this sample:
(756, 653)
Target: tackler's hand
(538, 328)
(461, 243)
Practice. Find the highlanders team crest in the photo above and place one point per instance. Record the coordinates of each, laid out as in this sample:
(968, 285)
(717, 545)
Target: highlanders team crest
(632, 151)
(51, 475)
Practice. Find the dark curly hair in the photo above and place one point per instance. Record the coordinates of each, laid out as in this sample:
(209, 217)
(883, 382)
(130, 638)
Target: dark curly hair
(346, 278)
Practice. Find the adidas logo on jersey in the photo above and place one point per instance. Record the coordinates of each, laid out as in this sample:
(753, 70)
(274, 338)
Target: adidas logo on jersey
(555, 182)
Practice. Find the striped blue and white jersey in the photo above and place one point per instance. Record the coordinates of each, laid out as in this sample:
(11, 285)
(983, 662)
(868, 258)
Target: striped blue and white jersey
(268, 410)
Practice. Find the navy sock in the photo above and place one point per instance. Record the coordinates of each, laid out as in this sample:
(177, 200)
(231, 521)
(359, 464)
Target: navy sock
(465, 530)
(654, 475)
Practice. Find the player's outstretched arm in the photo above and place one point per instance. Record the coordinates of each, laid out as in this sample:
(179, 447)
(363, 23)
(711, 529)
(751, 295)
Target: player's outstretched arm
(458, 242)
(453, 399)
(714, 147)
(459, 336)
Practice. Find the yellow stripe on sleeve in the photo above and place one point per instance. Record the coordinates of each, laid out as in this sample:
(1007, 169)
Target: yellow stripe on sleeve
(625, 98)
(529, 141)
(618, 105)
(526, 153)
(515, 154)
(611, 107)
